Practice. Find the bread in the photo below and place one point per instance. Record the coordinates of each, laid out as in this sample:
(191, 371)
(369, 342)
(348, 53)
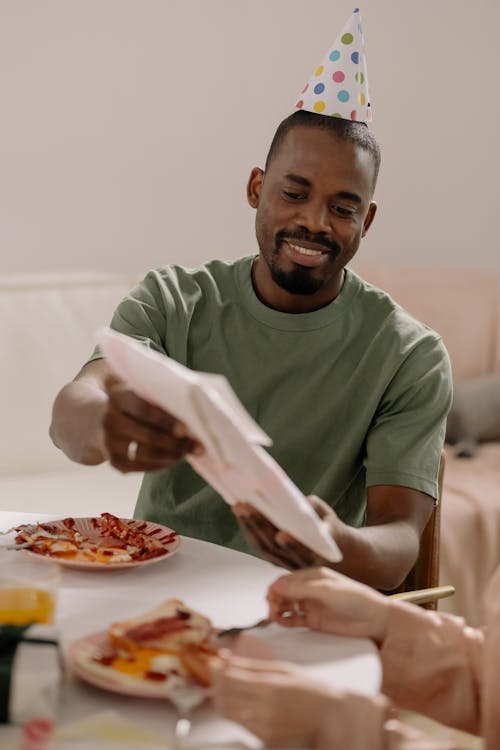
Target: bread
(196, 660)
(170, 626)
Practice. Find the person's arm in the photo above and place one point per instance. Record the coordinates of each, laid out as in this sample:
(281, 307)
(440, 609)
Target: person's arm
(431, 662)
(380, 554)
(282, 705)
(76, 427)
(96, 418)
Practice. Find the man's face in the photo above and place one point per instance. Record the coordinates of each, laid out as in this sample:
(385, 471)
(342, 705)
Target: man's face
(313, 206)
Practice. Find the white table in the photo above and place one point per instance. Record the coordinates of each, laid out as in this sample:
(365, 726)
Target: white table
(227, 586)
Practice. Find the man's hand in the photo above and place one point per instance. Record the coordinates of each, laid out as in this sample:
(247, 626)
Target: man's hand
(139, 436)
(279, 547)
(380, 553)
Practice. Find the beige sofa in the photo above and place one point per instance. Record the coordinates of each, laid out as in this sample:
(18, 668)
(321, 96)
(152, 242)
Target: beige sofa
(47, 330)
(463, 305)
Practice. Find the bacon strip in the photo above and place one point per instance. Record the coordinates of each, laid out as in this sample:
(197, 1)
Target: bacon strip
(156, 628)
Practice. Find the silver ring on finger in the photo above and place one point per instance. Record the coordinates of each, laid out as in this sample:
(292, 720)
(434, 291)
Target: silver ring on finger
(294, 611)
(132, 450)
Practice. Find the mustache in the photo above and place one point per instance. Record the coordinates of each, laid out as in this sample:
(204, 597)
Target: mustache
(317, 239)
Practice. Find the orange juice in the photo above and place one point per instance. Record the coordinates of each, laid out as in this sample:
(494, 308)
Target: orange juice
(20, 605)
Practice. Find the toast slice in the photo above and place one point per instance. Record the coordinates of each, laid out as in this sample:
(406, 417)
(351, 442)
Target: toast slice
(169, 627)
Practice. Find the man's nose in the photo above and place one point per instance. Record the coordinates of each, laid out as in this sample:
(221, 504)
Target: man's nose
(315, 217)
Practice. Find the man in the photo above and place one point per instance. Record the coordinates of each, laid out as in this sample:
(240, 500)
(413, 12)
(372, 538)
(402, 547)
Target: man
(352, 390)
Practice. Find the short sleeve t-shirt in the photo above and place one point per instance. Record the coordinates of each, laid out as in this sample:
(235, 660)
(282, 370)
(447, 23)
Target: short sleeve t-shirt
(354, 394)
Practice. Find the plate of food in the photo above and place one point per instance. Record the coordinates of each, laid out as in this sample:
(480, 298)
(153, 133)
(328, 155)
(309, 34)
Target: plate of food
(97, 543)
(163, 653)
(166, 653)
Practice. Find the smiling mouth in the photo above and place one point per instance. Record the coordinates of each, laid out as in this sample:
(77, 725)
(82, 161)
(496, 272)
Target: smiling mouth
(305, 250)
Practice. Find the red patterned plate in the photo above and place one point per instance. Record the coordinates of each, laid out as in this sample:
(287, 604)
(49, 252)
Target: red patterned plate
(80, 658)
(168, 538)
(339, 662)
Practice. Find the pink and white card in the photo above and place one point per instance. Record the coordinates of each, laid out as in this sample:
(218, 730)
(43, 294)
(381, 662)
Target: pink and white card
(235, 462)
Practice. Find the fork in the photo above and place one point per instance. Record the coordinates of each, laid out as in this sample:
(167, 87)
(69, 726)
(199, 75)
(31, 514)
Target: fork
(235, 631)
(259, 624)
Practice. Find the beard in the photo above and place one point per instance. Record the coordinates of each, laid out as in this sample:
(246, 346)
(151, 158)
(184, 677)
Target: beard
(301, 280)
(298, 281)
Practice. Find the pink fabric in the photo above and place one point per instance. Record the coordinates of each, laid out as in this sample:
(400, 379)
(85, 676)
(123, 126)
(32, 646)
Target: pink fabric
(435, 664)
(470, 530)
(496, 363)
(452, 672)
(462, 305)
(432, 664)
(491, 665)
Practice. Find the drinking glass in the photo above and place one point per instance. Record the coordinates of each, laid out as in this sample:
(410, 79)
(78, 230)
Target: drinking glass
(28, 589)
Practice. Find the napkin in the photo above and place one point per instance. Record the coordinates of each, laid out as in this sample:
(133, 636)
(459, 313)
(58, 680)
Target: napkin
(107, 730)
(30, 673)
(234, 462)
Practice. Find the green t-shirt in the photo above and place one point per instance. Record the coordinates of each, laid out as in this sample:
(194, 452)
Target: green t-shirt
(354, 394)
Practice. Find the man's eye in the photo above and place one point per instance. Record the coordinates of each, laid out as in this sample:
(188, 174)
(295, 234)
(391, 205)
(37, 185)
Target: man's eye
(342, 211)
(293, 196)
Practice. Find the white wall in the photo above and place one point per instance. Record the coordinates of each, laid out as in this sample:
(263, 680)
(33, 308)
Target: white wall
(128, 127)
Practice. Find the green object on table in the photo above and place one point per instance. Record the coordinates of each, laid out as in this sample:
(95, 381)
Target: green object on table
(10, 637)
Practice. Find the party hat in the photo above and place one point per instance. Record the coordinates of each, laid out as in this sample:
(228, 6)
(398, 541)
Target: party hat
(339, 86)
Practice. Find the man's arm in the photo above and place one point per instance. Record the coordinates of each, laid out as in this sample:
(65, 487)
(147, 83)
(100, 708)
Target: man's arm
(96, 418)
(405, 435)
(77, 415)
(380, 554)
(383, 552)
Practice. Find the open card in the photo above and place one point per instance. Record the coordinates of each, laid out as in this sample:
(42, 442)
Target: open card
(234, 461)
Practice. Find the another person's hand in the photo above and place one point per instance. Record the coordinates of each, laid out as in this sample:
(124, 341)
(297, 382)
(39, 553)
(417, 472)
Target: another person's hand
(322, 599)
(279, 547)
(283, 705)
(139, 436)
(276, 702)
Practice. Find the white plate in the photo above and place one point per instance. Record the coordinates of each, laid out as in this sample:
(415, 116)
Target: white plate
(333, 660)
(77, 658)
(169, 539)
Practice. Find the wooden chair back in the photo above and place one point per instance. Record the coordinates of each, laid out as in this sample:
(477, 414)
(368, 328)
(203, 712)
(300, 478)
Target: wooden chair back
(425, 572)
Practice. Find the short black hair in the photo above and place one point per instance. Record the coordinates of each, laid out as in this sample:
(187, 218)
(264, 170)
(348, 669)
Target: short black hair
(346, 130)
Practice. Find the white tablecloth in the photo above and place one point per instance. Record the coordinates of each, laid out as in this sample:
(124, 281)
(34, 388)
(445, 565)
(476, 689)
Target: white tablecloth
(227, 586)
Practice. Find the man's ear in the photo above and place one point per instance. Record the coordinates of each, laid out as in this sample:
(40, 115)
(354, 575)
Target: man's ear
(254, 186)
(372, 210)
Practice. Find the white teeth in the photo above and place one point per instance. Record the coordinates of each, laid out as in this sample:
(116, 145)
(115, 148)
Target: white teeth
(305, 250)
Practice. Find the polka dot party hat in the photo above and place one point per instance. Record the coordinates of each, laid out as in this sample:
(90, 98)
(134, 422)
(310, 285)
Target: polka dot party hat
(339, 86)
